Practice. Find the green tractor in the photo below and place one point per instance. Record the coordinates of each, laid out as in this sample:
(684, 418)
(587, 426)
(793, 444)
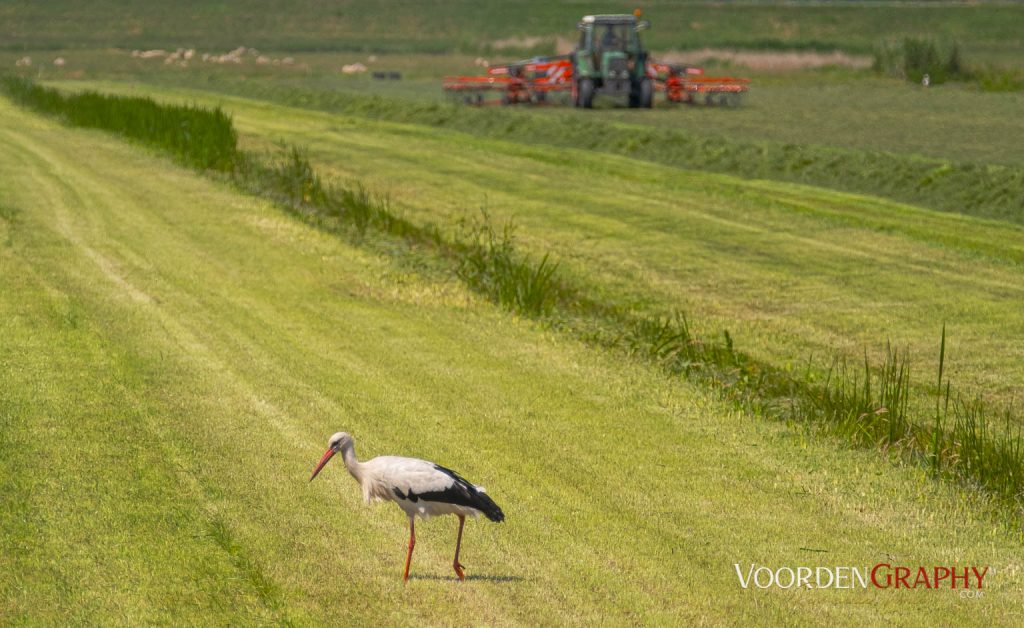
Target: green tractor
(611, 60)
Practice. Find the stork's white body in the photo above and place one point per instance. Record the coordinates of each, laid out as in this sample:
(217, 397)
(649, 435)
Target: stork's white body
(385, 478)
(420, 488)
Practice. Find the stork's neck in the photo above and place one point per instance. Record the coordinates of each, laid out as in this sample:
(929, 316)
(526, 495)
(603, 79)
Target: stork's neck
(348, 454)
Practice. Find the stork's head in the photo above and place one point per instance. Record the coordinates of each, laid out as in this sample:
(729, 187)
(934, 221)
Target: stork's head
(338, 442)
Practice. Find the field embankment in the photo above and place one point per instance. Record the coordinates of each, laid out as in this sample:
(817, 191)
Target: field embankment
(174, 353)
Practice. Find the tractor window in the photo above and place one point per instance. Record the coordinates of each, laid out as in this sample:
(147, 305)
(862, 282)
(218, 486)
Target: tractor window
(616, 37)
(613, 37)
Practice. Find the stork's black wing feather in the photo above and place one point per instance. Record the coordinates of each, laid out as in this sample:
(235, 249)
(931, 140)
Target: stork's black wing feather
(462, 493)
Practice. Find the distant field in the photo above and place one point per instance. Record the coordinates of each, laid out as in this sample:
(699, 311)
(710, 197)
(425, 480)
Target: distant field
(175, 355)
(990, 30)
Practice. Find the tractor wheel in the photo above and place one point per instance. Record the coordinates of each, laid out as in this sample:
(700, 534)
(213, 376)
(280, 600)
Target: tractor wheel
(634, 96)
(646, 93)
(585, 93)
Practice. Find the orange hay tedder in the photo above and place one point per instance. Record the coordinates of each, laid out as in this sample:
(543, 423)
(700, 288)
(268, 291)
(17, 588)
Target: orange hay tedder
(609, 60)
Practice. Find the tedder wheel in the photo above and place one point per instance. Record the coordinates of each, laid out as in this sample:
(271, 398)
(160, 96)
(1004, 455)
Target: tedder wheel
(586, 93)
(646, 93)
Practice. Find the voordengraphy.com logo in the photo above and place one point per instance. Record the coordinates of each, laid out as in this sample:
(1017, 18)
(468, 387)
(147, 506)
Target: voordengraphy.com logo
(881, 576)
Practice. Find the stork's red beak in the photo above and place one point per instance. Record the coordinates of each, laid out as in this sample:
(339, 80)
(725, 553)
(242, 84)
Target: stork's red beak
(323, 461)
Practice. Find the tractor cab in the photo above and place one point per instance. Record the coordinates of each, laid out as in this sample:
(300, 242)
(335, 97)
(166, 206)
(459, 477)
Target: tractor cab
(610, 59)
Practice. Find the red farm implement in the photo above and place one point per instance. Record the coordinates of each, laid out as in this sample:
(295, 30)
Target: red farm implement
(687, 84)
(522, 82)
(609, 60)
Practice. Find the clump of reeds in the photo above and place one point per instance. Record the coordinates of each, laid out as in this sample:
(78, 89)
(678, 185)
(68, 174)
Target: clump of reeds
(489, 263)
(290, 179)
(869, 405)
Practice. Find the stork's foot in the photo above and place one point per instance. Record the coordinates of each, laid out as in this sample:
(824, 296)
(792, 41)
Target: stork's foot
(459, 570)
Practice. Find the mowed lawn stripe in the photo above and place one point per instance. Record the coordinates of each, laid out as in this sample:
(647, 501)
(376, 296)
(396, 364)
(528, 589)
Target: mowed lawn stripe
(252, 337)
(97, 521)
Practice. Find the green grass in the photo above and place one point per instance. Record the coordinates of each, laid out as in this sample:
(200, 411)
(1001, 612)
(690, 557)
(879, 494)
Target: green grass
(952, 123)
(178, 354)
(872, 411)
(982, 189)
(841, 109)
(197, 137)
(469, 26)
(491, 265)
(791, 271)
(488, 262)
(968, 445)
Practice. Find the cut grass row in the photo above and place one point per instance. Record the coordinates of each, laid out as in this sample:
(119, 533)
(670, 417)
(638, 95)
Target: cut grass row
(174, 355)
(963, 442)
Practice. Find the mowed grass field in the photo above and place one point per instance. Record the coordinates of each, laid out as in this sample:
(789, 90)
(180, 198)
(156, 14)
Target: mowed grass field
(793, 272)
(175, 354)
(860, 111)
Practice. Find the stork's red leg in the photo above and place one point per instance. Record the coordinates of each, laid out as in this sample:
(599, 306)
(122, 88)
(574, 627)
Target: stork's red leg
(458, 545)
(412, 544)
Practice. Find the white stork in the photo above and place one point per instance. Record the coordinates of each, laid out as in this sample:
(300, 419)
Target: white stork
(417, 486)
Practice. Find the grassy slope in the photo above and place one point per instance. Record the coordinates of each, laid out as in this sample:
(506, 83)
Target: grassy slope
(470, 25)
(174, 356)
(789, 270)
